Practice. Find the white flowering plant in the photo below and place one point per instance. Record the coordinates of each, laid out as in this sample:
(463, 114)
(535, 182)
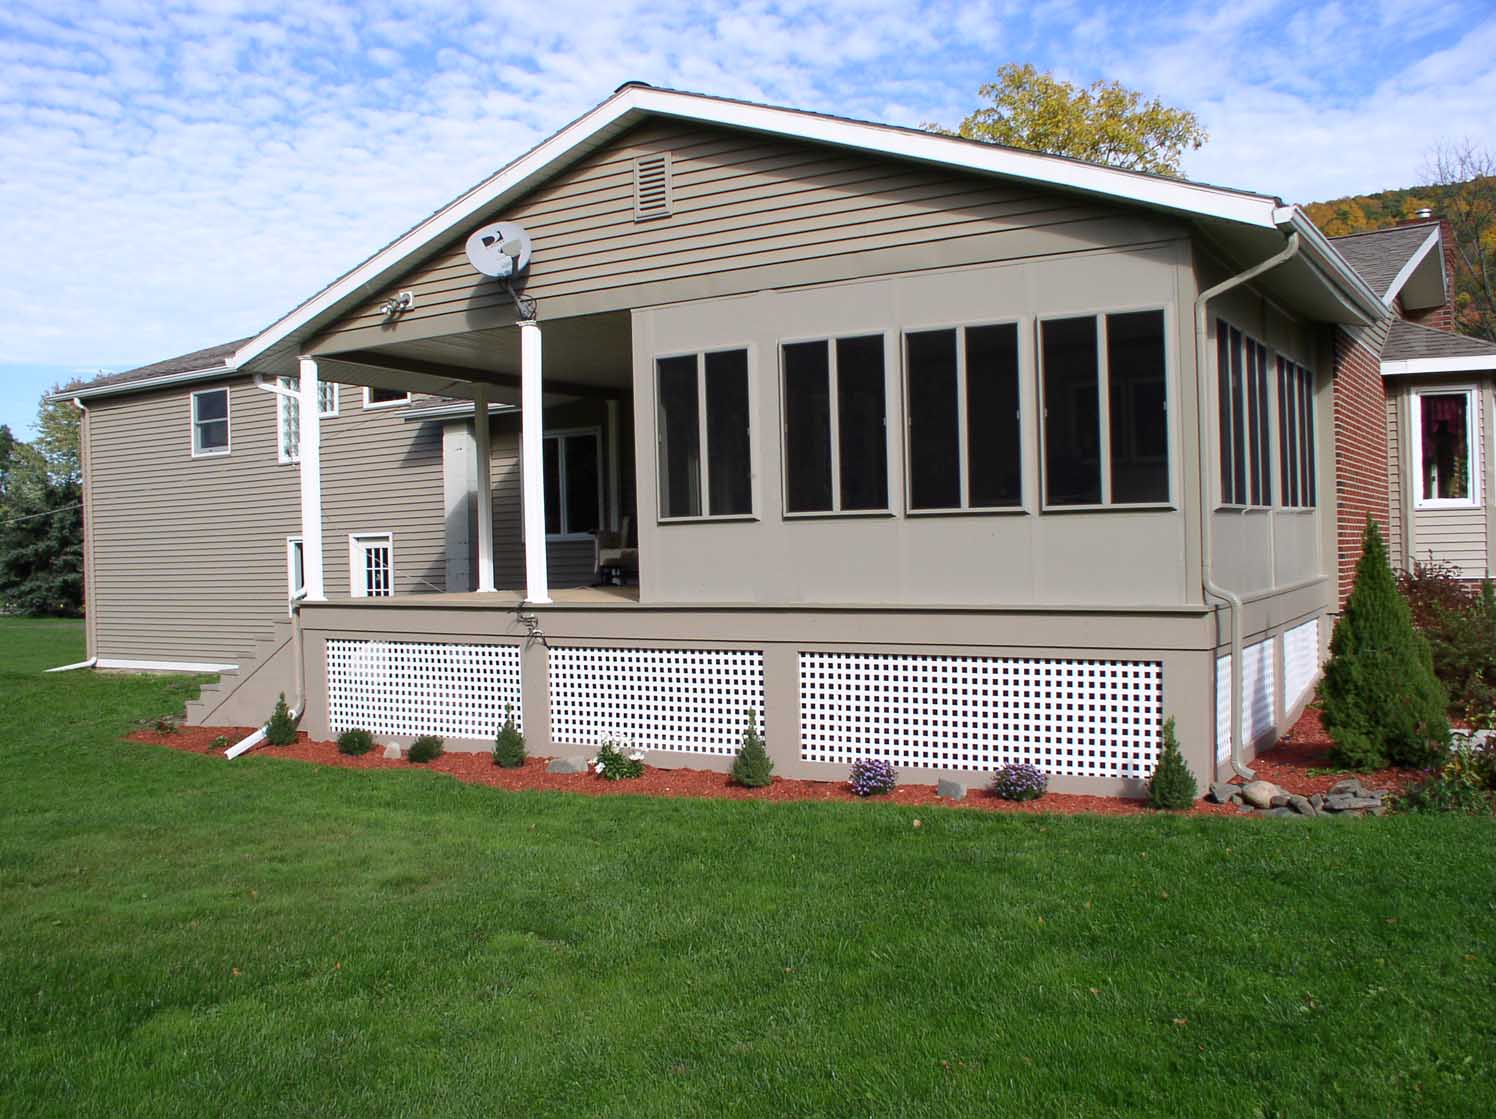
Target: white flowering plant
(618, 763)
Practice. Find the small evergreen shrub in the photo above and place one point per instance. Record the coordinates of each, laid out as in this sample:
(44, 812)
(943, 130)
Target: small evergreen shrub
(355, 742)
(1380, 700)
(509, 747)
(281, 729)
(1019, 781)
(872, 777)
(752, 767)
(1172, 785)
(613, 764)
(425, 749)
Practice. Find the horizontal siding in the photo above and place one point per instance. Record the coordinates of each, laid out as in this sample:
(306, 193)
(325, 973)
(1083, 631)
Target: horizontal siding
(189, 554)
(740, 202)
(1395, 402)
(1456, 536)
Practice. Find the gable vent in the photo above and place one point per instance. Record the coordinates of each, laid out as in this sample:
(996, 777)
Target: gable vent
(652, 194)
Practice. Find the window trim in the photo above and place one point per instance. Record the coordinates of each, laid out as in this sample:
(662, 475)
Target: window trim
(374, 406)
(228, 423)
(358, 586)
(559, 434)
(1104, 412)
(963, 427)
(703, 467)
(888, 509)
(293, 590)
(1473, 467)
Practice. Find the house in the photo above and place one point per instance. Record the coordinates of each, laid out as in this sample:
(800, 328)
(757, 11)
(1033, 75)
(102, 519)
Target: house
(1427, 473)
(924, 449)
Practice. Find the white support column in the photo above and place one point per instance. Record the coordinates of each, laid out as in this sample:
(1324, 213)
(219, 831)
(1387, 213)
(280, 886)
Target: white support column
(310, 422)
(532, 467)
(482, 446)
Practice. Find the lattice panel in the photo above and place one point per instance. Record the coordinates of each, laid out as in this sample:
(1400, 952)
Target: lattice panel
(412, 688)
(690, 701)
(1300, 660)
(1080, 717)
(1258, 695)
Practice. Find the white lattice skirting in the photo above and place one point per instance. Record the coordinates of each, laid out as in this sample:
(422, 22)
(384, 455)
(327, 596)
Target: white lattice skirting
(1300, 660)
(412, 688)
(690, 701)
(1258, 693)
(1072, 717)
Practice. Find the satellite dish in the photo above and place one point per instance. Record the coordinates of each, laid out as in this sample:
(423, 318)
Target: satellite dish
(501, 250)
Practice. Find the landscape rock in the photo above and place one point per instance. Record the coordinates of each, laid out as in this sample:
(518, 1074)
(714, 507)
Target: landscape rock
(1358, 804)
(1221, 792)
(1281, 800)
(1302, 805)
(950, 790)
(392, 751)
(1244, 809)
(566, 765)
(1349, 786)
(1283, 810)
(1259, 794)
(1338, 802)
(1317, 801)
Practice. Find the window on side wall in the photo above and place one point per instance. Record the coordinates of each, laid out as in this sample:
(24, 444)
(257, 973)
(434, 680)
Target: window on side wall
(1242, 399)
(288, 415)
(210, 422)
(704, 435)
(573, 482)
(371, 565)
(1106, 430)
(384, 398)
(1445, 459)
(835, 426)
(965, 447)
(1296, 480)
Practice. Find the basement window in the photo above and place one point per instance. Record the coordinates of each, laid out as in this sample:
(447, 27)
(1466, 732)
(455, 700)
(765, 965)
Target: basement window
(1444, 455)
(1296, 480)
(704, 403)
(210, 422)
(965, 446)
(1241, 395)
(573, 483)
(835, 426)
(371, 565)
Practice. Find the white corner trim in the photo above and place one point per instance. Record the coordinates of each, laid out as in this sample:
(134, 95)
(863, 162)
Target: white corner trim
(164, 666)
(1406, 273)
(1427, 365)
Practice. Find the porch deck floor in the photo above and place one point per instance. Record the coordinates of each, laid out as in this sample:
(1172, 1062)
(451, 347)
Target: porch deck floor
(509, 599)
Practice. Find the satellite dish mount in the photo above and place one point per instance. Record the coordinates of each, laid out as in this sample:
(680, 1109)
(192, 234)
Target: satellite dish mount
(501, 249)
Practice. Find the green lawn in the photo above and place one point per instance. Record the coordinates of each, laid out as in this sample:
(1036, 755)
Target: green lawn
(184, 936)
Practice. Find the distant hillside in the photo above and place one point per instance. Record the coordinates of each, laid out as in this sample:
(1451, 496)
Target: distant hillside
(1362, 212)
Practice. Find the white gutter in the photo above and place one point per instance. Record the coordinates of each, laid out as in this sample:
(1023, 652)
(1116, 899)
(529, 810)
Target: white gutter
(1207, 475)
(1319, 250)
(166, 380)
(1479, 363)
(452, 411)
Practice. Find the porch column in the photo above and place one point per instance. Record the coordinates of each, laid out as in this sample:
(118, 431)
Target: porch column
(482, 446)
(532, 463)
(310, 422)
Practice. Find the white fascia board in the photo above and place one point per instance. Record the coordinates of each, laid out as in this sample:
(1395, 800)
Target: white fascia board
(164, 666)
(634, 102)
(1319, 249)
(166, 380)
(1406, 273)
(1432, 365)
(453, 411)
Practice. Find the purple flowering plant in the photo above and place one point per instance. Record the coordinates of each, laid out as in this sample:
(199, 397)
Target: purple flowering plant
(871, 776)
(1019, 781)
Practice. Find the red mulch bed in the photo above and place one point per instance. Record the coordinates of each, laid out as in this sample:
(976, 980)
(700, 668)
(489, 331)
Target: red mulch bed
(1304, 748)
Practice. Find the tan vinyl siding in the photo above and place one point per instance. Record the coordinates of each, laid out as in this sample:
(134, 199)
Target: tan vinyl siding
(1395, 402)
(189, 554)
(743, 204)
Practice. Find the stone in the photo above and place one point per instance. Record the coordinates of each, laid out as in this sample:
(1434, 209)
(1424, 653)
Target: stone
(1302, 806)
(1282, 810)
(1359, 804)
(392, 751)
(1280, 801)
(950, 790)
(1379, 810)
(1350, 786)
(1244, 809)
(1237, 800)
(566, 765)
(1317, 801)
(1221, 792)
(1259, 794)
(1338, 802)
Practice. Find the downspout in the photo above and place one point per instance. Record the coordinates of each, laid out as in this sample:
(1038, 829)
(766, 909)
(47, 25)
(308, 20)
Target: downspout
(298, 665)
(1207, 579)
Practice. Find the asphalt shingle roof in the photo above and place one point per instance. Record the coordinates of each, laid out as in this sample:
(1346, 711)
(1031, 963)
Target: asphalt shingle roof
(1380, 255)
(183, 363)
(1408, 340)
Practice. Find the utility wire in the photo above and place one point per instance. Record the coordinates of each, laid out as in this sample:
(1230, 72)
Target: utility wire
(48, 513)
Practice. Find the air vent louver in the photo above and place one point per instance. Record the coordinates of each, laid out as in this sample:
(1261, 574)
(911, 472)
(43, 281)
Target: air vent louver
(652, 194)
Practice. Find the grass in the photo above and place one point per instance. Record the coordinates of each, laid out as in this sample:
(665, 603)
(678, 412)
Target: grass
(184, 936)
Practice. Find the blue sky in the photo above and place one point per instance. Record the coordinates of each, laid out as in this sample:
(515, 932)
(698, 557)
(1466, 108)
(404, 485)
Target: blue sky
(177, 173)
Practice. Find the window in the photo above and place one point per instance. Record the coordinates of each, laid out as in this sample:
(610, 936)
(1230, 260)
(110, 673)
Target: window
(1444, 458)
(724, 474)
(295, 567)
(1242, 378)
(383, 398)
(1296, 481)
(964, 442)
(835, 429)
(1106, 432)
(288, 415)
(371, 565)
(210, 422)
(573, 483)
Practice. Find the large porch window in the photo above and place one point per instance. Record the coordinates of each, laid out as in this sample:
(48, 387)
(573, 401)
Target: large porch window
(835, 426)
(703, 402)
(1444, 442)
(1296, 481)
(1242, 388)
(573, 483)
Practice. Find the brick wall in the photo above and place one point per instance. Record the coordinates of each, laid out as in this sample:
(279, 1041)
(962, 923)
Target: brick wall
(1361, 484)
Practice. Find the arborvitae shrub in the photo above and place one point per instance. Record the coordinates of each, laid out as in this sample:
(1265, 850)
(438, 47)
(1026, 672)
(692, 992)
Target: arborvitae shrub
(752, 768)
(1172, 785)
(355, 742)
(1381, 702)
(281, 729)
(509, 747)
(425, 749)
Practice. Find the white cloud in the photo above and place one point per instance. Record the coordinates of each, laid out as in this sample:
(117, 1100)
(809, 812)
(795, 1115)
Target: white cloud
(174, 174)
